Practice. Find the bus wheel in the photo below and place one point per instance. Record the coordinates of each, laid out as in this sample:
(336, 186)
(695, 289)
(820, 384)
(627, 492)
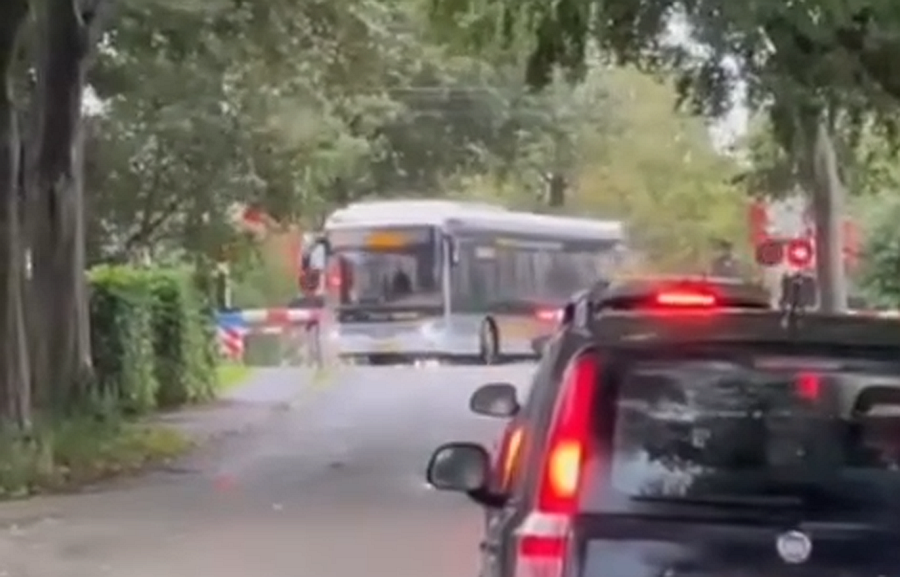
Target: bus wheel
(489, 343)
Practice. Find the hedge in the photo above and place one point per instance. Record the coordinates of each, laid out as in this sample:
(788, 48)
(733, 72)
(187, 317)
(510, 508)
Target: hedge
(152, 338)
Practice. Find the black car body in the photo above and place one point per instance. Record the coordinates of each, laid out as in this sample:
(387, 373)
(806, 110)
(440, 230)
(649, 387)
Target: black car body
(698, 436)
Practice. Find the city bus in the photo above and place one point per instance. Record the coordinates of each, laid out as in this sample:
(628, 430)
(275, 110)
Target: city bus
(410, 280)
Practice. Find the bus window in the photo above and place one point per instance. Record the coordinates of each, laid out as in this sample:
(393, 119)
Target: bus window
(474, 279)
(489, 274)
(526, 277)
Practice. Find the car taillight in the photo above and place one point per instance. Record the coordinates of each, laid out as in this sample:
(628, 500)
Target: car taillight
(807, 386)
(509, 454)
(685, 298)
(548, 315)
(543, 536)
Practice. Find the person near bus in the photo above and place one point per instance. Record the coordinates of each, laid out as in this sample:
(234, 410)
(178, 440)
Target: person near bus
(401, 285)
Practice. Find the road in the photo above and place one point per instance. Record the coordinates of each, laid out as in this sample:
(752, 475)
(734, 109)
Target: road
(328, 483)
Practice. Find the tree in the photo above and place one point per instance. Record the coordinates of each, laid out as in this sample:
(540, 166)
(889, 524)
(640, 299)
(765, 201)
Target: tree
(810, 67)
(66, 33)
(323, 103)
(14, 361)
(657, 169)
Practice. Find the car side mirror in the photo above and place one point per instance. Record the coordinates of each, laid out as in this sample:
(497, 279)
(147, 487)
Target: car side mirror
(495, 400)
(459, 467)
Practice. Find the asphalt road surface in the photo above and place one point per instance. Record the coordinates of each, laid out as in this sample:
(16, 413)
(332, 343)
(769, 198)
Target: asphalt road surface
(326, 480)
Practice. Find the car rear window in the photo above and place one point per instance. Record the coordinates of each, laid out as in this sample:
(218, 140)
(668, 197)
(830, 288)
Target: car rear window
(819, 431)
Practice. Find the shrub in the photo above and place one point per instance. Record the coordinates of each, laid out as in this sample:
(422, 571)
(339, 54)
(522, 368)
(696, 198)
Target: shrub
(153, 338)
(122, 338)
(183, 339)
(880, 278)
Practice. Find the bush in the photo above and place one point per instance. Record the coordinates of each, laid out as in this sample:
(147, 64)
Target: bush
(122, 338)
(153, 340)
(183, 339)
(880, 278)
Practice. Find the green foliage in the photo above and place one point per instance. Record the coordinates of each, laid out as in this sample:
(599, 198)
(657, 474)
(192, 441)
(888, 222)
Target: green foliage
(231, 375)
(121, 308)
(77, 451)
(263, 278)
(183, 367)
(328, 102)
(868, 161)
(658, 170)
(795, 60)
(151, 336)
(630, 155)
(880, 277)
(323, 103)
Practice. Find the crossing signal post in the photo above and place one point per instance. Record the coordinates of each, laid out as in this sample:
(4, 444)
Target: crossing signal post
(769, 253)
(799, 254)
(797, 258)
(798, 290)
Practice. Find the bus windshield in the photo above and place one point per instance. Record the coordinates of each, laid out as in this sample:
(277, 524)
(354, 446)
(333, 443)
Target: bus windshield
(388, 266)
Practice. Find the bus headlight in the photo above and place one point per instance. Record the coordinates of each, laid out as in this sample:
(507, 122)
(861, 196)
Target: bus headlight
(430, 331)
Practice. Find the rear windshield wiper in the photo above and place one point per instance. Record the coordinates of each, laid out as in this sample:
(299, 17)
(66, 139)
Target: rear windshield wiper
(743, 501)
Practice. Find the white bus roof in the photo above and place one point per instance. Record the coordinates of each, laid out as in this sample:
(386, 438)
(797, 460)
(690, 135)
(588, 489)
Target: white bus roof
(405, 212)
(542, 225)
(471, 217)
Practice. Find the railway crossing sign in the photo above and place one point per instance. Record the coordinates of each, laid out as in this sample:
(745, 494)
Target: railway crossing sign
(800, 253)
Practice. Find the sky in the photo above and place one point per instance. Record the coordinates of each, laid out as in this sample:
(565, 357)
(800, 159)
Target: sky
(733, 126)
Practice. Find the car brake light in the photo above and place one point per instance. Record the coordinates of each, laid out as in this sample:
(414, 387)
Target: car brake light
(543, 536)
(808, 385)
(685, 298)
(548, 315)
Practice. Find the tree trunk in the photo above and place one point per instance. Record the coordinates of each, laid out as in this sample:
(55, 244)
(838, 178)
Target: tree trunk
(828, 207)
(15, 382)
(62, 355)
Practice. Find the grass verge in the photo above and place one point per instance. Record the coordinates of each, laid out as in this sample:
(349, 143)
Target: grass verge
(231, 375)
(323, 376)
(81, 451)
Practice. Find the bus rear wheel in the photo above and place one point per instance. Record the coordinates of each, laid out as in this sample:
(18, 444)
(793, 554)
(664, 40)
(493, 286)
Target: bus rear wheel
(489, 343)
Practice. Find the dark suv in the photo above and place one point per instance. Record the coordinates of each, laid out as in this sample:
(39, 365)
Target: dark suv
(691, 430)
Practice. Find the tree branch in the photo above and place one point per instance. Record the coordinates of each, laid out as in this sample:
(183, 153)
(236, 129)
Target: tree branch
(150, 226)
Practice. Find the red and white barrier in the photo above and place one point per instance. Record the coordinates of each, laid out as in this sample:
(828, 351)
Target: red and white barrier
(277, 317)
(233, 327)
(231, 342)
